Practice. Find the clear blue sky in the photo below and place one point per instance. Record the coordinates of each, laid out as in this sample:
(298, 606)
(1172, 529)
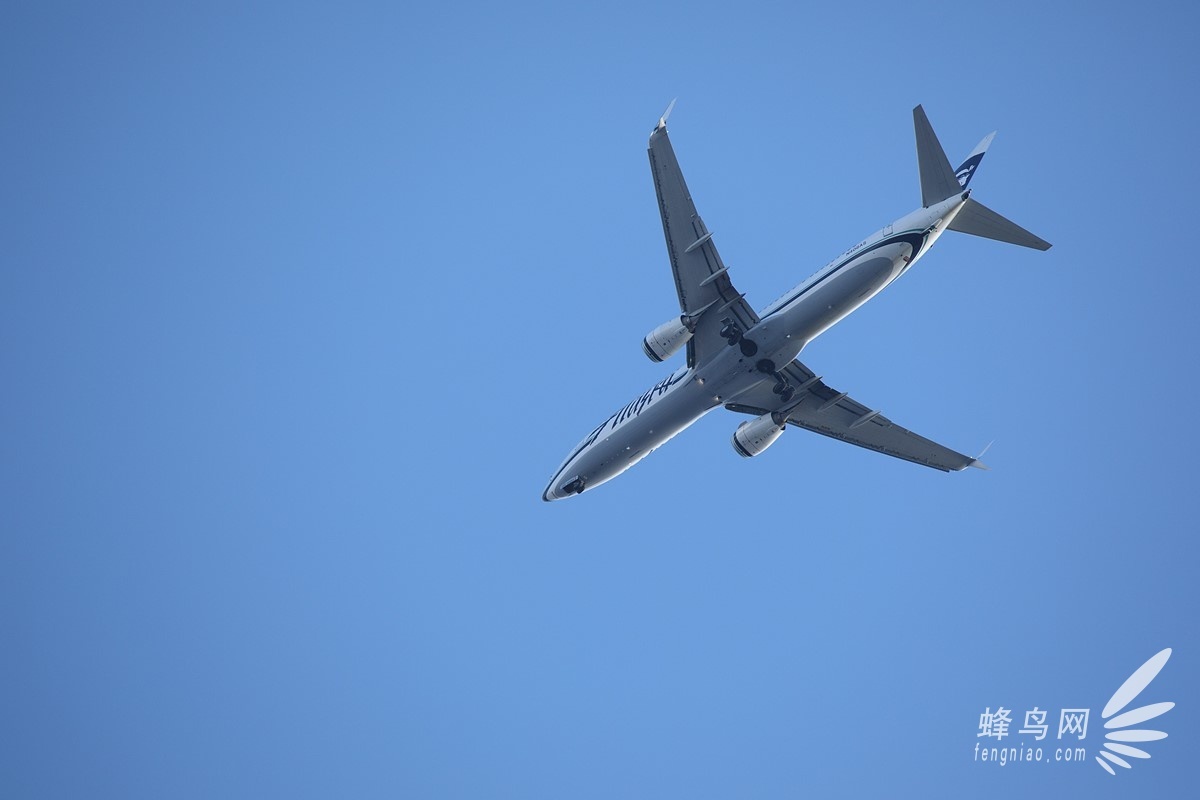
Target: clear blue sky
(302, 305)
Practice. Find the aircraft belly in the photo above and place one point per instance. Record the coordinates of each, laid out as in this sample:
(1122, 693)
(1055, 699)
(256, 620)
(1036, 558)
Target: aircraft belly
(643, 434)
(839, 295)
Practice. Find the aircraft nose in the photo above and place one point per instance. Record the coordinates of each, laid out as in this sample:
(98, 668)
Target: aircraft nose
(563, 490)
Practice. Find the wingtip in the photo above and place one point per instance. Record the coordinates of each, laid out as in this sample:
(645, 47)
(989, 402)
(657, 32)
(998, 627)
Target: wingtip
(662, 121)
(976, 463)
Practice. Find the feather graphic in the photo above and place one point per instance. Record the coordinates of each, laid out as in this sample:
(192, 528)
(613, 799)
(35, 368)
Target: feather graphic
(1125, 695)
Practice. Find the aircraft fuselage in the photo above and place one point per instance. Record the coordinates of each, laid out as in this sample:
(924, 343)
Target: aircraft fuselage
(784, 329)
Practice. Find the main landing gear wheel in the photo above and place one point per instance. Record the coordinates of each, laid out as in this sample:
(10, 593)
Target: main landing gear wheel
(782, 387)
(732, 333)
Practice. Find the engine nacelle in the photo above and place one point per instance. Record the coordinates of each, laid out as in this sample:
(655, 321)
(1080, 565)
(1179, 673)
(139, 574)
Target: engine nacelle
(665, 340)
(752, 437)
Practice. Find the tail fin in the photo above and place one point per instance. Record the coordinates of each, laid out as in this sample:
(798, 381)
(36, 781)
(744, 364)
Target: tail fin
(978, 220)
(966, 170)
(938, 181)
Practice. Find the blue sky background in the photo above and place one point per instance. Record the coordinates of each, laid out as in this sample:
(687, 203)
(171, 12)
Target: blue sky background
(303, 304)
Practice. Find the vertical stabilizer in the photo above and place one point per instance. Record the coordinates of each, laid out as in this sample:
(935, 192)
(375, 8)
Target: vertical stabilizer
(966, 170)
(938, 180)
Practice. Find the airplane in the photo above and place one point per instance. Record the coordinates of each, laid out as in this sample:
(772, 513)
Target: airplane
(746, 361)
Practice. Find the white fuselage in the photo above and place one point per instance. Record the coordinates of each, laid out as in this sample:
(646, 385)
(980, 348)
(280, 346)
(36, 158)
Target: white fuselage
(785, 328)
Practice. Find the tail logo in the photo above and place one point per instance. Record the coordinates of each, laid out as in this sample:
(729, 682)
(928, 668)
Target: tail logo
(967, 169)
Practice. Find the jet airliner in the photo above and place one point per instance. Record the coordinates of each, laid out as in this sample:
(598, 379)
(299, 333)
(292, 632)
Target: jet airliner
(747, 361)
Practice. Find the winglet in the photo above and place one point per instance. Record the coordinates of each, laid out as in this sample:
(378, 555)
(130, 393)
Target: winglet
(662, 121)
(976, 463)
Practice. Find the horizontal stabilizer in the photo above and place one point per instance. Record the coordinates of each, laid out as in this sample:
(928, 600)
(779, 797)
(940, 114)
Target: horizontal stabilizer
(938, 180)
(978, 220)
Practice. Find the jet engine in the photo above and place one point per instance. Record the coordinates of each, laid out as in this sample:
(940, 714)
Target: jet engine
(665, 340)
(755, 436)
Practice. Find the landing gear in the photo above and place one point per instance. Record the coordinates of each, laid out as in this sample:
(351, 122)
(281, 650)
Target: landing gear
(732, 333)
(782, 388)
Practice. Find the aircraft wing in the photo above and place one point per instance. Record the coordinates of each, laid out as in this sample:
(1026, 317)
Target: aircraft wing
(834, 414)
(701, 279)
